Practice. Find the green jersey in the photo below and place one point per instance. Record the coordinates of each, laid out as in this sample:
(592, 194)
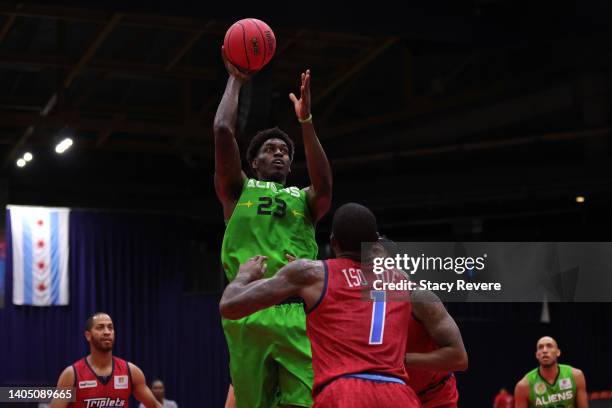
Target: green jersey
(271, 220)
(561, 394)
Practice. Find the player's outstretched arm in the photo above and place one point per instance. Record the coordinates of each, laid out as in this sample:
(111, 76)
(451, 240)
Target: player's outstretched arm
(319, 193)
(229, 176)
(582, 399)
(451, 354)
(521, 394)
(248, 293)
(65, 381)
(140, 389)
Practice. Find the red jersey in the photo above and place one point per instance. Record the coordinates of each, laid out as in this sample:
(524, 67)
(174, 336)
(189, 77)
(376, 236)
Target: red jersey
(350, 334)
(419, 341)
(97, 392)
(434, 388)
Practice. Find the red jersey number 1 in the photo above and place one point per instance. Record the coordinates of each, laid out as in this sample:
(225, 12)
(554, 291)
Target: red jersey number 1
(379, 306)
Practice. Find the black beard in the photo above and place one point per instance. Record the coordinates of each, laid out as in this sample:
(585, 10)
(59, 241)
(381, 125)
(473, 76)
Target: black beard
(102, 348)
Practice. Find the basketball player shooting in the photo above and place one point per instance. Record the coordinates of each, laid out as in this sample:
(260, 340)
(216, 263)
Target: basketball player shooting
(270, 357)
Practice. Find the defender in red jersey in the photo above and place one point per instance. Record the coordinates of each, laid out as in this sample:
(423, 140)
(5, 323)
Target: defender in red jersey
(357, 345)
(101, 380)
(434, 348)
(433, 351)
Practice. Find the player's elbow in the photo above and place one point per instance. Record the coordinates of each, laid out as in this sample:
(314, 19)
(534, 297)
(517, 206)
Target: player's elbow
(228, 310)
(225, 309)
(459, 360)
(462, 361)
(223, 130)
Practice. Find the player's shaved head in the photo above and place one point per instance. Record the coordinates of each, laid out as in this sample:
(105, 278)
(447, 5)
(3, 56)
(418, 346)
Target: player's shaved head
(547, 351)
(353, 224)
(547, 339)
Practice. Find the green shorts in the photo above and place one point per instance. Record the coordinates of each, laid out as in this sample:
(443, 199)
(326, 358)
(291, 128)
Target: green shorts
(270, 358)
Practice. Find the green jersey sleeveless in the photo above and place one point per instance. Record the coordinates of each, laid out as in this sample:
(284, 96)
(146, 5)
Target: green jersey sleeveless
(271, 220)
(561, 394)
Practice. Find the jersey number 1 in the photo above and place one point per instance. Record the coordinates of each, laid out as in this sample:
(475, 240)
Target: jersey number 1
(379, 306)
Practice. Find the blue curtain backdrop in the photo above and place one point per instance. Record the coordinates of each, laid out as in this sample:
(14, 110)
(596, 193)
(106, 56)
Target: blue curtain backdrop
(131, 266)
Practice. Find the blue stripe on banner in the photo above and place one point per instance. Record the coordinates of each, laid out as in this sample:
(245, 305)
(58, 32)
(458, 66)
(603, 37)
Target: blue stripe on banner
(27, 262)
(55, 252)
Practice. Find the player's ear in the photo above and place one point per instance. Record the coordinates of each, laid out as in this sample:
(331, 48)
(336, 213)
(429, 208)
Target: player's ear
(334, 243)
(254, 164)
(87, 335)
(377, 250)
(558, 352)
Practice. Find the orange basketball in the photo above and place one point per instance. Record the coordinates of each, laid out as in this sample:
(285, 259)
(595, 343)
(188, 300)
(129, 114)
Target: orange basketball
(249, 44)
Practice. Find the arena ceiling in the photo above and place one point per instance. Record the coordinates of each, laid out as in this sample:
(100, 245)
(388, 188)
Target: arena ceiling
(441, 112)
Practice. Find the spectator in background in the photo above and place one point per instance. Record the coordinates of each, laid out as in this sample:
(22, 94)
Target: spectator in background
(157, 387)
(503, 399)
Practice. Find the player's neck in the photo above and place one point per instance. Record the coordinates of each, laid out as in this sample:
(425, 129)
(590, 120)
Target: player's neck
(355, 256)
(100, 359)
(282, 181)
(549, 373)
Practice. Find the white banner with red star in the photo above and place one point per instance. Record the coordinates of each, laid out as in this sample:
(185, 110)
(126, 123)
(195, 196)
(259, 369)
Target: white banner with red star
(40, 255)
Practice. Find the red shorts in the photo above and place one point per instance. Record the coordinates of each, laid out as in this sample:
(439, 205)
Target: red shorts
(444, 395)
(358, 393)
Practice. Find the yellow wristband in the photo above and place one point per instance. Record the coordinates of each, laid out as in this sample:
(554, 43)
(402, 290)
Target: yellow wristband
(307, 120)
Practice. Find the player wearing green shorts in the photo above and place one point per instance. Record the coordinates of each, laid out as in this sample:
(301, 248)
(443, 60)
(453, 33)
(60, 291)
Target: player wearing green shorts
(270, 358)
(551, 385)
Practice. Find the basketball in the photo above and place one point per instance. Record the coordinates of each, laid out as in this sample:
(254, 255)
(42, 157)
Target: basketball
(249, 44)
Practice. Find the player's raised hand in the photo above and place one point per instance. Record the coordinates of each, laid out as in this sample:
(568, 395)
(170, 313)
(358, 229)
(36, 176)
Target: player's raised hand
(302, 105)
(234, 71)
(253, 269)
(290, 257)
